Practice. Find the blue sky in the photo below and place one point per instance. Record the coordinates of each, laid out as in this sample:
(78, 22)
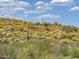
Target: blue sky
(61, 11)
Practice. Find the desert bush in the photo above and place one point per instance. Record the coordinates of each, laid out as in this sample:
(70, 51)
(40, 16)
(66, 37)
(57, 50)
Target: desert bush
(28, 50)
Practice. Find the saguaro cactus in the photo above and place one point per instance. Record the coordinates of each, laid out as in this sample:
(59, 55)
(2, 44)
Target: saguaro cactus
(28, 38)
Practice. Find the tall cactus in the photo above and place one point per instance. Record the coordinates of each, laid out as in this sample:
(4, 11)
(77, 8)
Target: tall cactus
(28, 38)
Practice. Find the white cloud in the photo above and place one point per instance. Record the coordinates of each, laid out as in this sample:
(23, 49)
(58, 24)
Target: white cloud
(33, 12)
(50, 16)
(62, 2)
(6, 0)
(47, 17)
(10, 8)
(14, 4)
(39, 3)
(21, 9)
(74, 9)
(42, 6)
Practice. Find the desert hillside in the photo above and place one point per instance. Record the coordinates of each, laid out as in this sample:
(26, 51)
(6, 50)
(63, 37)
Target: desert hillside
(26, 40)
(18, 30)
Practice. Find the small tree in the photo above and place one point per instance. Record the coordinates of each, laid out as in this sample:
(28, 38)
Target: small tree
(46, 24)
